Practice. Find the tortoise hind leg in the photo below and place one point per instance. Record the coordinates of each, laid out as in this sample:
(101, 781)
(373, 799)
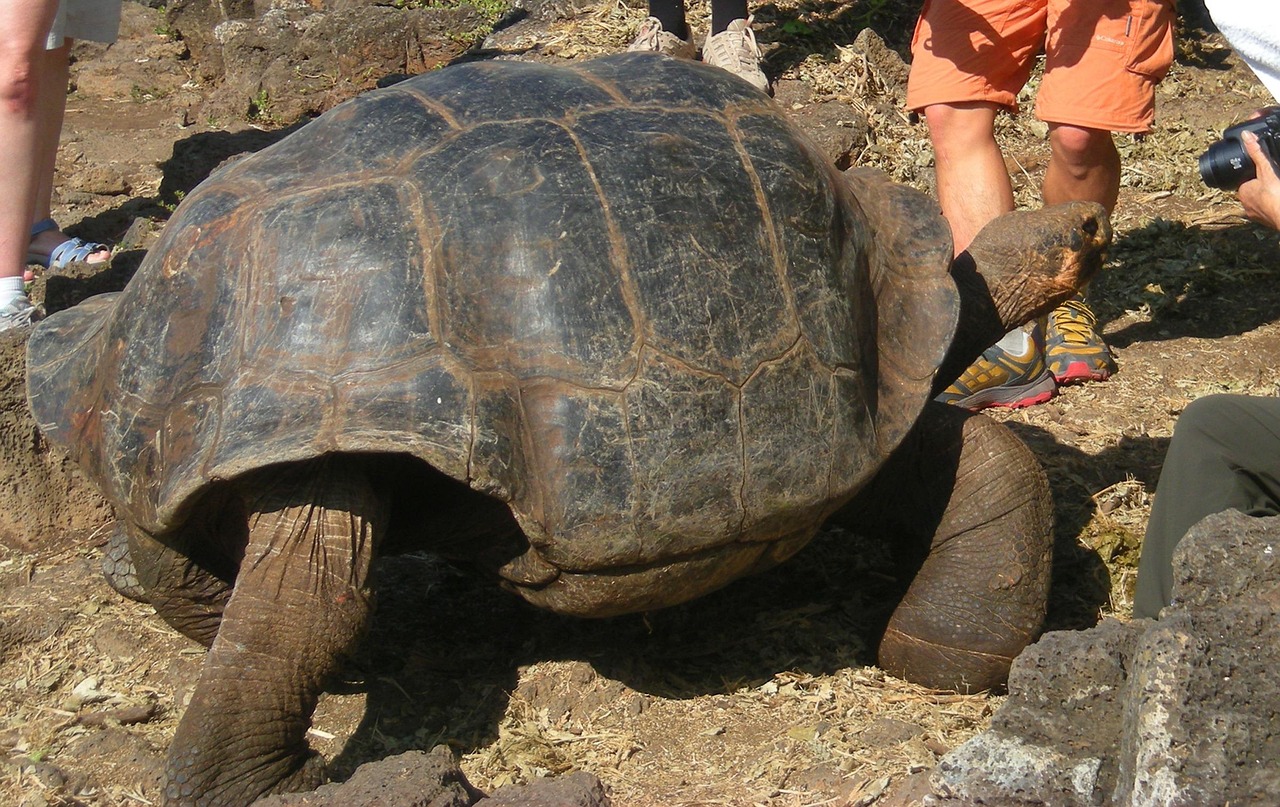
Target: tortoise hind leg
(300, 604)
(118, 566)
(970, 493)
(187, 576)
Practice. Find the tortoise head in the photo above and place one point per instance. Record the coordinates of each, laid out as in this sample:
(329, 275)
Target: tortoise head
(935, 323)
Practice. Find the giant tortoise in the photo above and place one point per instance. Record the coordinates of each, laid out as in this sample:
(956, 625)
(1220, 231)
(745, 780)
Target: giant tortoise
(616, 332)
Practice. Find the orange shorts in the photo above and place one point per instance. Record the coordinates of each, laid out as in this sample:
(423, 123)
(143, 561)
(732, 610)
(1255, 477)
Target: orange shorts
(1103, 58)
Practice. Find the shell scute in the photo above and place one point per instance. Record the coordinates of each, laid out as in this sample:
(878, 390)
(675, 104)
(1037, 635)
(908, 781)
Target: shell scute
(649, 79)
(368, 137)
(584, 470)
(821, 241)
(694, 244)
(337, 291)
(422, 407)
(686, 447)
(524, 261)
(513, 91)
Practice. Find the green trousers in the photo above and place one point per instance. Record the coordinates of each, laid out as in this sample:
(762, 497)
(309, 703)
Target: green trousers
(1225, 455)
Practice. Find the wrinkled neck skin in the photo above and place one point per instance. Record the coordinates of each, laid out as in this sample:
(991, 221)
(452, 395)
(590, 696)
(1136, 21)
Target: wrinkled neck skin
(1020, 267)
(980, 324)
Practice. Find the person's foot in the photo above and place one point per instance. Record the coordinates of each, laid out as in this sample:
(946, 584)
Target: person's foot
(19, 313)
(653, 39)
(1074, 350)
(54, 249)
(1001, 377)
(735, 49)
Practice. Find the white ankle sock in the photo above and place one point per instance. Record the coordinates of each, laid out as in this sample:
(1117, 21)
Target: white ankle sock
(1014, 342)
(11, 288)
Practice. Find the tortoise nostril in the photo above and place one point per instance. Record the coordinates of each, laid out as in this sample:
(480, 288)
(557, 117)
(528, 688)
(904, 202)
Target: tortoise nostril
(1091, 225)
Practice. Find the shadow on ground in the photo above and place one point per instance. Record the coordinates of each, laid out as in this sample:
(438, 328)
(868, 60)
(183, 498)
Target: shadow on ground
(1195, 281)
(443, 656)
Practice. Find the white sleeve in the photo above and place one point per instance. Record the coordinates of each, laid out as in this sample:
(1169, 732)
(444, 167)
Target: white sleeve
(1253, 29)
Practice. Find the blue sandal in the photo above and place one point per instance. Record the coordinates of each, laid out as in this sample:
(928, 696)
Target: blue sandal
(71, 250)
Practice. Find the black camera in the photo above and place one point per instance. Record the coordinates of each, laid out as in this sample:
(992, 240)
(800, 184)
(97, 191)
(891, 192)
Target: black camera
(1226, 164)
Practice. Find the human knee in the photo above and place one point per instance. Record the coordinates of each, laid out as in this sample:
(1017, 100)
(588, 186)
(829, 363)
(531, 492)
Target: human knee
(1206, 417)
(1229, 425)
(17, 83)
(959, 126)
(1081, 149)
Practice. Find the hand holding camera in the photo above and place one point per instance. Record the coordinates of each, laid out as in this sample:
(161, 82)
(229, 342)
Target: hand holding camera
(1248, 151)
(1226, 165)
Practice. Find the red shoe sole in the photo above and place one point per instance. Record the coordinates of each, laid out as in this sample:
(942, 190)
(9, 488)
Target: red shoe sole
(1080, 373)
(1043, 397)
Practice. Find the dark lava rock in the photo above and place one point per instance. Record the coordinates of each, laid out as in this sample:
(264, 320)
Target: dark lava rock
(1177, 711)
(281, 62)
(433, 779)
(572, 790)
(411, 779)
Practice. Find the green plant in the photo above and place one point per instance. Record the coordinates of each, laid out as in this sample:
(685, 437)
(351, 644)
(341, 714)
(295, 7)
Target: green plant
(260, 107)
(178, 196)
(141, 95)
(490, 10)
(797, 28)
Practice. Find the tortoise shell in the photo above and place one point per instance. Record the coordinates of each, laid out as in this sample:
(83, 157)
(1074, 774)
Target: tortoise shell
(627, 298)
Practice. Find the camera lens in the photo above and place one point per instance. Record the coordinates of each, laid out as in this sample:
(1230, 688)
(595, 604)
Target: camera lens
(1226, 165)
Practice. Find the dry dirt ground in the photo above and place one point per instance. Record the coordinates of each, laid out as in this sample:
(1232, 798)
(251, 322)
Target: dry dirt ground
(761, 694)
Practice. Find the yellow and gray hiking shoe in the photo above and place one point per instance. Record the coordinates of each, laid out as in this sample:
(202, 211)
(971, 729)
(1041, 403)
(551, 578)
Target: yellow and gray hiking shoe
(1003, 378)
(1074, 349)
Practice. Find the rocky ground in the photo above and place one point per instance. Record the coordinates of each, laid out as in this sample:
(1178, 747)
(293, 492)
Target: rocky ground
(760, 694)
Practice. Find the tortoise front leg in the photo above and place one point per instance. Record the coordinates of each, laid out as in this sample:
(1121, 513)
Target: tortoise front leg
(969, 492)
(300, 605)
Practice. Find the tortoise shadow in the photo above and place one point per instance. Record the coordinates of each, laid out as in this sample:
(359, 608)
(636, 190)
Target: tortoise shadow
(438, 663)
(194, 158)
(442, 660)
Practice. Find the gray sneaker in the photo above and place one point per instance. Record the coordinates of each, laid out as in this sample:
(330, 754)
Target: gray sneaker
(655, 40)
(735, 49)
(19, 313)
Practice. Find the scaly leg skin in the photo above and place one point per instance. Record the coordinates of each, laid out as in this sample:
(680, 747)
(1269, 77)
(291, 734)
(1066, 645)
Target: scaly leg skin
(187, 575)
(969, 491)
(300, 604)
(118, 567)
